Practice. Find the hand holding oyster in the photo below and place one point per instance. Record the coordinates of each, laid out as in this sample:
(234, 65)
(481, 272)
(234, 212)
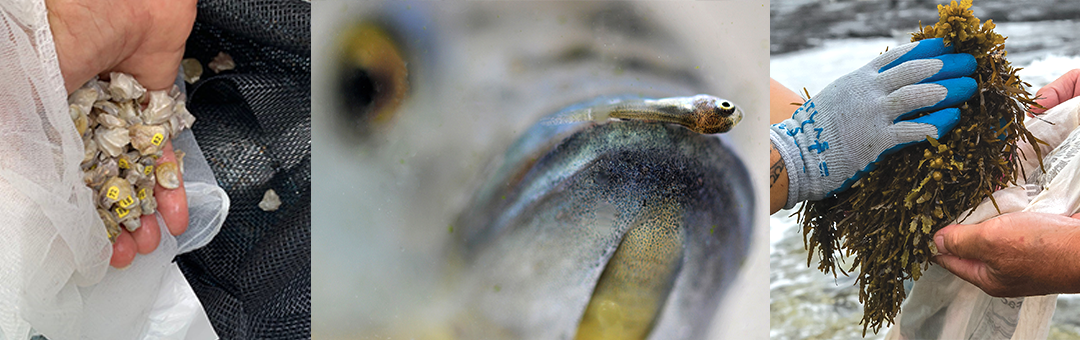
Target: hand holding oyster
(124, 129)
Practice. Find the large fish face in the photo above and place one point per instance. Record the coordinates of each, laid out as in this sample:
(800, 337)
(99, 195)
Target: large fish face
(613, 230)
(392, 185)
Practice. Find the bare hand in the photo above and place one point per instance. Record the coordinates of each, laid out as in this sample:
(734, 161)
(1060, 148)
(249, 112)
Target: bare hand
(1064, 88)
(1018, 254)
(144, 38)
(172, 205)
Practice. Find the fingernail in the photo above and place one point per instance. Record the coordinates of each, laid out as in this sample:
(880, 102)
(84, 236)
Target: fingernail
(939, 243)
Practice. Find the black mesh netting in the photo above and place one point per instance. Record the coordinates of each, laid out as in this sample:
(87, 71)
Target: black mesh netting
(254, 126)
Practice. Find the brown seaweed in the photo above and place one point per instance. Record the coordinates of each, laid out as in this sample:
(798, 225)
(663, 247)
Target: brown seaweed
(887, 220)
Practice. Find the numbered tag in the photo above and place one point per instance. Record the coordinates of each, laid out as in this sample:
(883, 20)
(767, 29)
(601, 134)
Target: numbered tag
(127, 201)
(121, 212)
(157, 139)
(142, 193)
(123, 163)
(149, 169)
(113, 193)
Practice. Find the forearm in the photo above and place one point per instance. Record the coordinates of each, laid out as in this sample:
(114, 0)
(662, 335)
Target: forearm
(778, 181)
(782, 102)
(1062, 275)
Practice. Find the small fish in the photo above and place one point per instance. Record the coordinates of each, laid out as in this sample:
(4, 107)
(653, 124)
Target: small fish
(701, 113)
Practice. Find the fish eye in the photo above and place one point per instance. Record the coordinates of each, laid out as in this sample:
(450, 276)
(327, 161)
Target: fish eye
(372, 76)
(725, 104)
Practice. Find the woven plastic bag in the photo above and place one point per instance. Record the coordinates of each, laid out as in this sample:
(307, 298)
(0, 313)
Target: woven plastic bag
(943, 306)
(55, 278)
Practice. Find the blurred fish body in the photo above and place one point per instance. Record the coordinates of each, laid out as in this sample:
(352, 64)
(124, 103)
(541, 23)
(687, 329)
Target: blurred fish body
(462, 198)
(619, 229)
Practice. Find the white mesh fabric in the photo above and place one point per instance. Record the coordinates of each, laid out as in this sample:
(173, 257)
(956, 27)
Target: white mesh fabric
(54, 251)
(51, 240)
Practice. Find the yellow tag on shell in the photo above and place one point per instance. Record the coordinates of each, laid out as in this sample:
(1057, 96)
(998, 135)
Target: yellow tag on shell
(127, 201)
(121, 212)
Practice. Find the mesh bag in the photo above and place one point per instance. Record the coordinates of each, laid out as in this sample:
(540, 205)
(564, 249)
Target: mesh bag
(254, 278)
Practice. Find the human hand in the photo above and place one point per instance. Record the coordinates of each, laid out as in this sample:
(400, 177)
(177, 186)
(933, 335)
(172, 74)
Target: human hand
(834, 138)
(172, 205)
(143, 38)
(1018, 254)
(1064, 88)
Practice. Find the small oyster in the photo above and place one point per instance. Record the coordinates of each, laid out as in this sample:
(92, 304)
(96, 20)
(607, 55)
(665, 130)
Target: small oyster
(112, 141)
(83, 98)
(90, 152)
(111, 121)
(148, 139)
(116, 189)
(166, 175)
(112, 227)
(82, 122)
(123, 87)
(129, 217)
(192, 70)
(270, 201)
(129, 113)
(222, 62)
(159, 109)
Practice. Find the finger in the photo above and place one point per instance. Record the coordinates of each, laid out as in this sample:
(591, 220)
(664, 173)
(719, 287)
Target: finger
(929, 96)
(1058, 91)
(172, 203)
(963, 240)
(917, 50)
(148, 236)
(974, 271)
(927, 70)
(154, 70)
(935, 125)
(123, 250)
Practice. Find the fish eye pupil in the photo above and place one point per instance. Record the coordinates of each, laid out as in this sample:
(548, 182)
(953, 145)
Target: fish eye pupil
(358, 89)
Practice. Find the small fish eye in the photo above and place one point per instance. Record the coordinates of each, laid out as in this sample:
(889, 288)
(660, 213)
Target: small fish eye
(725, 104)
(372, 76)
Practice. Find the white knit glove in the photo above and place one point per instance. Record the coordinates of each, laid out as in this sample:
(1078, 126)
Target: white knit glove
(835, 138)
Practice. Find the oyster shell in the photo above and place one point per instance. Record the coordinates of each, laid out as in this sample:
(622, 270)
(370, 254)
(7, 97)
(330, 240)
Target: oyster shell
(130, 217)
(111, 121)
(112, 227)
(222, 62)
(159, 109)
(122, 143)
(123, 87)
(115, 190)
(192, 70)
(112, 141)
(148, 139)
(271, 201)
(166, 175)
(129, 113)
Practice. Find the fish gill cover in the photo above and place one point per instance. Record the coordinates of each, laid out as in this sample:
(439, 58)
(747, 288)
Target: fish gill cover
(887, 220)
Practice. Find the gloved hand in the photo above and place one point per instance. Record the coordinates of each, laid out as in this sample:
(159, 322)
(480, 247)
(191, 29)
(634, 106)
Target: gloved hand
(835, 138)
